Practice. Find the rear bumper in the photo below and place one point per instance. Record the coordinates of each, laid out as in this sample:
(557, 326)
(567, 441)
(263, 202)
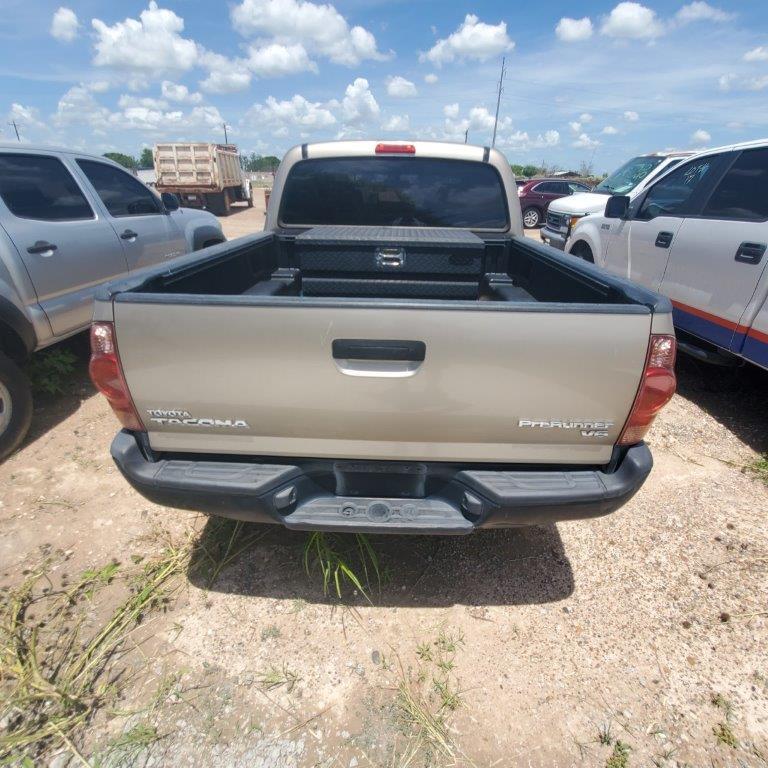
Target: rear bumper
(380, 497)
(553, 237)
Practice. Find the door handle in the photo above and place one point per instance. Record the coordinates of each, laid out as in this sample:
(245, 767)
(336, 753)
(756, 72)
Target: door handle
(41, 246)
(664, 239)
(129, 234)
(750, 253)
(376, 349)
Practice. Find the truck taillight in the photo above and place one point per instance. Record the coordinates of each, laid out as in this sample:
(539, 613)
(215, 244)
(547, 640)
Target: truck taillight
(107, 375)
(656, 388)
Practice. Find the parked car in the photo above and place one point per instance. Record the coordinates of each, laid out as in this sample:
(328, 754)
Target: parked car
(698, 234)
(70, 222)
(536, 195)
(391, 354)
(631, 179)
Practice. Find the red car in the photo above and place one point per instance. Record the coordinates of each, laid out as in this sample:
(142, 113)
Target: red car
(536, 195)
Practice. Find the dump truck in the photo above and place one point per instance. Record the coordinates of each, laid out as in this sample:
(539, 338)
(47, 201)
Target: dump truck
(202, 175)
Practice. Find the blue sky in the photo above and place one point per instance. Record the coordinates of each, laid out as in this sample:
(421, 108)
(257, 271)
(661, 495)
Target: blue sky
(585, 81)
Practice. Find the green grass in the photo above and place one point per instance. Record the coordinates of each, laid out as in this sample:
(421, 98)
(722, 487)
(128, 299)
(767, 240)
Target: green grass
(277, 677)
(760, 468)
(725, 735)
(619, 758)
(50, 371)
(56, 663)
(343, 561)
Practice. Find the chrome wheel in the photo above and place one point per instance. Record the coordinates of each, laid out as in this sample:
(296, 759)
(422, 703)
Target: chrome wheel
(531, 218)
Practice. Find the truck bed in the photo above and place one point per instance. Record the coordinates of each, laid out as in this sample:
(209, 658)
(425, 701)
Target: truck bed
(511, 270)
(534, 352)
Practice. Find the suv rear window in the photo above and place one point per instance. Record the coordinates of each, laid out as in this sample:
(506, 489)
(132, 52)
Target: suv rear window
(394, 191)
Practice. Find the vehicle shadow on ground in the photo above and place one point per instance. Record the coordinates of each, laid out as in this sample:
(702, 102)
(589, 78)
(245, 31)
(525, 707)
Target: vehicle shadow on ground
(735, 397)
(50, 409)
(489, 567)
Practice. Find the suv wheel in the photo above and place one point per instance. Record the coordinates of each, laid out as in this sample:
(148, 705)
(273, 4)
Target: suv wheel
(15, 405)
(531, 218)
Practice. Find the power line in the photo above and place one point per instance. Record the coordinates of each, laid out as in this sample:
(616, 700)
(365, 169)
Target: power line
(498, 100)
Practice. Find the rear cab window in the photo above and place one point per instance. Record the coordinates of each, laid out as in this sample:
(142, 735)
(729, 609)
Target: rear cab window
(742, 194)
(395, 191)
(40, 187)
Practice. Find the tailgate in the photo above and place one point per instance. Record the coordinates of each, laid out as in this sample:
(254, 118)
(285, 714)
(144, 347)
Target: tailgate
(335, 379)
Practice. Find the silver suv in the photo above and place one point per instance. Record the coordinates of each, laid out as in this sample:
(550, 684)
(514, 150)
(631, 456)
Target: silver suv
(70, 222)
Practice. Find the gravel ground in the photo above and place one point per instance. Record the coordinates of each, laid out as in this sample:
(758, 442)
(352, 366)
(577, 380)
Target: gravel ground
(647, 627)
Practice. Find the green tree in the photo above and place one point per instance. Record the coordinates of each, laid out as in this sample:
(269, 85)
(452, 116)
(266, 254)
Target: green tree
(125, 160)
(146, 160)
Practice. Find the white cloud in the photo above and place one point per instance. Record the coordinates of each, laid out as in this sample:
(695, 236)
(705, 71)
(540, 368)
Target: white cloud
(79, 107)
(274, 60)
(321, 29)
(631, 117)
(575, 126)
(478, 119)
(397, 123)
(451, 111)
(700, 137)
(474, 39)
(126, 102)
(585, 142)
(609, 130)
(632, 20)
(400, 88)
(27, 116)
(295, 113)
(98, 86)
(585, 117)
(224, 75)
(574, 30)
(521, 140)
(431, 78)
(757, 54)
(153, 44)
(180, 93)
(701, 11)
(733, 82)
(359, 105)
(64, 25)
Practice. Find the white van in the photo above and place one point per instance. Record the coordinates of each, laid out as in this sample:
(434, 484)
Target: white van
(631, 179)
(698, 234)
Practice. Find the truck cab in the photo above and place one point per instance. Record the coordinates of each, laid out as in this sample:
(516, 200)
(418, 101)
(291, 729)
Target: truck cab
(630, 179)
(698, 234)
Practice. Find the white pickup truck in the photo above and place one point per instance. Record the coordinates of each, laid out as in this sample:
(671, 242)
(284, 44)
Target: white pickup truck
(391, 354)
(698, 235)
(631, 179)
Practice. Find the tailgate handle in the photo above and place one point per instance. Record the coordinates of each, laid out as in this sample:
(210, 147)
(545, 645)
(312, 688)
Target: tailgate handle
(379, 349)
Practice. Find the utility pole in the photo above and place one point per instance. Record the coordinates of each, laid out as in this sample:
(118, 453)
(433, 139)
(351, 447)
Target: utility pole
(498, 100)
(224, 126)
(466, 136)
(15, 128)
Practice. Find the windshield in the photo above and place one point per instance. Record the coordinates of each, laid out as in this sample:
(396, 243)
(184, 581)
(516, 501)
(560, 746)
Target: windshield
(626, 178)
(394, 191)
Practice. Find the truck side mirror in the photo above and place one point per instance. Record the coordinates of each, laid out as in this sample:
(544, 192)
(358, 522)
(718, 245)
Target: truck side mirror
(617, 207)
(171, 201)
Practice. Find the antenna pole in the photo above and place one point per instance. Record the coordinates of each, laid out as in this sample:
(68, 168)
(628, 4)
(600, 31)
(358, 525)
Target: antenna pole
(498, 100)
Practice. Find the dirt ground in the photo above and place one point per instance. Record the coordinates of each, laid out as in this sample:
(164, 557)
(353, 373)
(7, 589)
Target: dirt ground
(638, 639)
